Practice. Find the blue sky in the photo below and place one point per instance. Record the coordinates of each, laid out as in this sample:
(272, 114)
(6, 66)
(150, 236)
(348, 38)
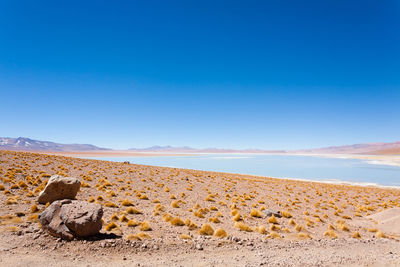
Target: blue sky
(234, 74)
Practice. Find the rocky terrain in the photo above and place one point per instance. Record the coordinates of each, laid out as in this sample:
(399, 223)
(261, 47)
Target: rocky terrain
(156, 216)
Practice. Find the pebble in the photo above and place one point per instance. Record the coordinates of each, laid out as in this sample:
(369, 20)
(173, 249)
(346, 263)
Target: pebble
(199, 246)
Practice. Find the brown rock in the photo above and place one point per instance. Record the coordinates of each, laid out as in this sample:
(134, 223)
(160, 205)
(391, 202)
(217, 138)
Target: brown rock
(82, 218)
(59, 187)
(72, 218)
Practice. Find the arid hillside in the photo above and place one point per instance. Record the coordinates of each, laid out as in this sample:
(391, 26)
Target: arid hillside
(196, 210)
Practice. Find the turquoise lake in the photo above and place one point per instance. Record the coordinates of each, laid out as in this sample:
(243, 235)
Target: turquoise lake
(280, 166)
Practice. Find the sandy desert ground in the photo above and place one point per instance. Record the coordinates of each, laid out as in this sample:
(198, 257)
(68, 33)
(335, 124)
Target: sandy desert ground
(178, 217)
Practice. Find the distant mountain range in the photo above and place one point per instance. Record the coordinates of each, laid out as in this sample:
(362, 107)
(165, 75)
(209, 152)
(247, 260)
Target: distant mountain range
(368, 148)
(186, 149)
(26, 144)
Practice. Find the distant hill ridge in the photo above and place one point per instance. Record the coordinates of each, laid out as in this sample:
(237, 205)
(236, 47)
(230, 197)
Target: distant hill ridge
(26, 144)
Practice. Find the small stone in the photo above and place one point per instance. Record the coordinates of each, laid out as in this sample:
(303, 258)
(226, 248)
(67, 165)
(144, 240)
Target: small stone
(199, 246)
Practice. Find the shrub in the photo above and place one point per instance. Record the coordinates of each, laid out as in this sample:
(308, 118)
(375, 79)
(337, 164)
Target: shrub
(274, 227)
(131, 210)
(274, 235)
(304, 235)
(123, 218)
(220, 233)
(331, 234)
(256, 213)
(261, 229)
(177, 222)
(356, 235)
(143, 236)
(114, 217)
(206, 229)
(167, 217)
(111, 204)
(175, 204)
(243, 227)
(214, 220)
(273, 219)
(237, 217)
(185, 236)
(298, 227)
(111, 226)
(132, 223)
(286, 214)
(145, 226)
(380, 234)
(126, 203)
(34, 208)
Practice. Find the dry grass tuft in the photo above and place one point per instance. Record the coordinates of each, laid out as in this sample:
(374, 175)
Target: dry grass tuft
(145, 226)
(220, 233)
(256, 213)
(177, 222)
(243, 227)
(206, 229)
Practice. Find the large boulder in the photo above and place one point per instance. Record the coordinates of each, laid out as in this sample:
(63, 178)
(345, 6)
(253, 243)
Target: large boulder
(72, 218)
(59, 187)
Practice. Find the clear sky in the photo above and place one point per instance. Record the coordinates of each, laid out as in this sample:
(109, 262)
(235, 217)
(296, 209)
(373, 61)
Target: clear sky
(234, 74)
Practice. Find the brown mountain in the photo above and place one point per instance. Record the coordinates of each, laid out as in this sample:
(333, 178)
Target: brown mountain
(26, 144)
(368, 148)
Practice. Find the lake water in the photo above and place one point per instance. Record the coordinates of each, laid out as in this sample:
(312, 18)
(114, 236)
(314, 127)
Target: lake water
(281, 166)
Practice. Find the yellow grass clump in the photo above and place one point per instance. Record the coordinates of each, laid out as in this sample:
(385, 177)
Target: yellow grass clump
(111, 204)
(175, 204)
(145, 226)
(123, 218)
(356, 235)
(185, 236)
(380, 234)
(273, 219)
(274, 235)
(304, 236)
(10, 229)
(220, 233)
(331, 234)
(111, 226)
(214, 220)
(298, 227)
(243, 227)
(256, 213)
(237, 217)
(34, 208)
(206, 229)
(114, 217)
(274, 227)
(132, 210)
(143, 236)
(261, 229)
(126, 203)
(286, 214)
(177, 222)
(167, 217)
(132, 223)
